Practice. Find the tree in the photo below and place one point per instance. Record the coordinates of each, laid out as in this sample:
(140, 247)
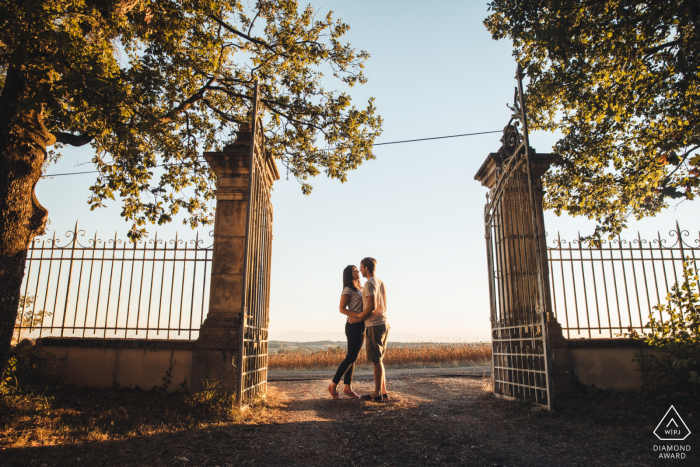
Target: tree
(152, 83)
(619, 79)
(28, 317)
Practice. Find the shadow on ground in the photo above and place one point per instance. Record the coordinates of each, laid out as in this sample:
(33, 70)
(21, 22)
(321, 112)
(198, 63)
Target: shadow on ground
(429, 421)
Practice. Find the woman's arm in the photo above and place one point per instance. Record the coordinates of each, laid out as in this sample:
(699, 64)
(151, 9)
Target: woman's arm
(344, 300)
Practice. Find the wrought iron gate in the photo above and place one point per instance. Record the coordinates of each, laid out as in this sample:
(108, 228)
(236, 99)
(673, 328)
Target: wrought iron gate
(253, 355)
(521, 359)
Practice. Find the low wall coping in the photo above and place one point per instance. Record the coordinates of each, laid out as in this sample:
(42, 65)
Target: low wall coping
(600, 343)
(190, 344)
(115, 343)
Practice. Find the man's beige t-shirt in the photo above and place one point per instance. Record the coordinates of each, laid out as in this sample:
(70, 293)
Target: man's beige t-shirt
(375, 286)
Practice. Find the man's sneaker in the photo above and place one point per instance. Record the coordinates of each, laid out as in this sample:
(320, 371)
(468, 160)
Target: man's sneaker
(369, 397)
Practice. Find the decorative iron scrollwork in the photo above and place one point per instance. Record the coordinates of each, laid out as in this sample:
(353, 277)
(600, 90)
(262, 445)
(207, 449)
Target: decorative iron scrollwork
(511, 139)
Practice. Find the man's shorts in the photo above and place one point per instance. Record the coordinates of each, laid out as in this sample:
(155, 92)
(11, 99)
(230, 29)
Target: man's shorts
(376, 342)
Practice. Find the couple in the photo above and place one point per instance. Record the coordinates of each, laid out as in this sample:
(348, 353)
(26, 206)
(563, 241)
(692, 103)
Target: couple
(366, 312)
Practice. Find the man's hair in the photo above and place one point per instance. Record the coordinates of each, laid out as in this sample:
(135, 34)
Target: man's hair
(370, 264)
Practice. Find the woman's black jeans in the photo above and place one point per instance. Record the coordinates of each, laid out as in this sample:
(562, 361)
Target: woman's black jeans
(356, 337)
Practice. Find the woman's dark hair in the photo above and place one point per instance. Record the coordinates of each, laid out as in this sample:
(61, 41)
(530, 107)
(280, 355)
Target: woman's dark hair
(348, 281)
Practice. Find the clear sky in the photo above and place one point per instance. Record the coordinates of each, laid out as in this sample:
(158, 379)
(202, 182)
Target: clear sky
(434, 70)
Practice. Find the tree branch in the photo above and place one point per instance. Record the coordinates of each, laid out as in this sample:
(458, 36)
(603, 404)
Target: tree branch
(240, 34)
(223, 79)
(73, 140)
(683, 158)
(268, 103)
(658, 48)
(253, 22)
(282, 114)
(170, 116)
(228, 92)
(220, 113)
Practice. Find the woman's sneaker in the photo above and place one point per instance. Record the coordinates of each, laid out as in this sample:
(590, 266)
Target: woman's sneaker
(333, 392)
(350, 393)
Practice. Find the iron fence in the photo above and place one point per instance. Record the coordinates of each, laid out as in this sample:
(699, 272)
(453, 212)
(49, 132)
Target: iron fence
(610, 290)
(155, 289)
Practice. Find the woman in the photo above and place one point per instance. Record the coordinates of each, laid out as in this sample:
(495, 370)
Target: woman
(350, 305)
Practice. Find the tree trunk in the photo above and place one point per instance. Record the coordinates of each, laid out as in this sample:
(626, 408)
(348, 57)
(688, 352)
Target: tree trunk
(23, 141)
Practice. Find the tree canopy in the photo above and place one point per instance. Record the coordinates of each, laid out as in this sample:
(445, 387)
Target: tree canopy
(620, 80)
(153, 83)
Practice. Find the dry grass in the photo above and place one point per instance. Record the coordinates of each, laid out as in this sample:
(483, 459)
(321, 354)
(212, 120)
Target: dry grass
(429, 355)
(74, 416)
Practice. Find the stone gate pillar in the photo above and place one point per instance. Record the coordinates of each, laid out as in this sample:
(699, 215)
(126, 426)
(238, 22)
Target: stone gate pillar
(217, 347)
(515, 233)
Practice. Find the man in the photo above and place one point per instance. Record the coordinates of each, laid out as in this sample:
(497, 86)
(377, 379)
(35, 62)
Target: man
(376, 326)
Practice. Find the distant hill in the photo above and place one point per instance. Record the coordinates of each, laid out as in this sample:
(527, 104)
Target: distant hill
(300, 337)
(276, 346)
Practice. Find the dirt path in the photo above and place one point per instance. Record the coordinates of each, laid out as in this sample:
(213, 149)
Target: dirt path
(455, 421)
(433, 420)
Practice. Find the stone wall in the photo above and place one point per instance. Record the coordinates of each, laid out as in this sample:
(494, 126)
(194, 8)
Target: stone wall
(603, 363)
(127, 363)
(140, 363)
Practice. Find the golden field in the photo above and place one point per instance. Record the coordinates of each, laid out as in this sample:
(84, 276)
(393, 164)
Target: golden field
(397, 356)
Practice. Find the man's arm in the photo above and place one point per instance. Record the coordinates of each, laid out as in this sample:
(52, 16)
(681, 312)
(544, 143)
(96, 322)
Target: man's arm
(369, 309)
(386, 307)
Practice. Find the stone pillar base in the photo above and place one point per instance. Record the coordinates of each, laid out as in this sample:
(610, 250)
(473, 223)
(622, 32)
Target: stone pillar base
(215, 355)
(210, 365)
(555, 332)
(219, 331)
(562, 365)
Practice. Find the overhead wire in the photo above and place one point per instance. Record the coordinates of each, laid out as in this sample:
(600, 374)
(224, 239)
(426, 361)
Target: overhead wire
(439, 137)
(375, 144)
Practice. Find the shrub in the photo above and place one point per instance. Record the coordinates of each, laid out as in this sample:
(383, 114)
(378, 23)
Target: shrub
(24, 372)
(214, 397)
(678, 337)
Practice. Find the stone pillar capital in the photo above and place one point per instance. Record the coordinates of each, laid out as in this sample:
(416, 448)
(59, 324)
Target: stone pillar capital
(232, 173)
(487, 172)
(232, 167)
